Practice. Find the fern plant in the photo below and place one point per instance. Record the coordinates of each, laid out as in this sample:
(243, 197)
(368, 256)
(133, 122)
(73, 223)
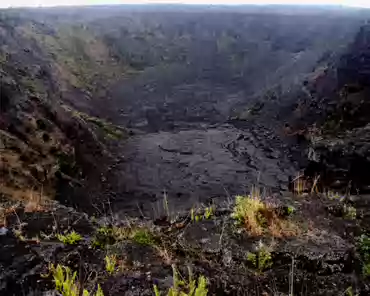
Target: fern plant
(110, 263)
(66, 282)
(71, 238)
(182, 288)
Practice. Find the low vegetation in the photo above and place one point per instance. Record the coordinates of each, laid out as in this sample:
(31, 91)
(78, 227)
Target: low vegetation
(198, 214)
(71, 238)
(66, 282)
(110, 263)
(364, 248)
(349, 292)
(350, 212)
(181, 287)
(300, 185)
(259, 217)
(261, 260)
(143, 237)
(109, 235)
(110, 130)
(117, 251)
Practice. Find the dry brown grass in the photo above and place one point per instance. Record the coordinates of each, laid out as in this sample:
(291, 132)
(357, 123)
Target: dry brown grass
(2, 217)
(299, 185)
(165, 254)
(259, 217)
(283, 228)
(35, 202)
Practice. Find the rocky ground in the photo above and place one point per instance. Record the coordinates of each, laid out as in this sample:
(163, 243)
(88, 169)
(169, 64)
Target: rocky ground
(198, 164)
(320, 253)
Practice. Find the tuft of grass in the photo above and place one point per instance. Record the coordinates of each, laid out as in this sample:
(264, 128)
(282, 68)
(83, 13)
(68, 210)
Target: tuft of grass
(71, 238)
(349, 212)
(247, 212)
(35, 204)
(259, 217)
(110, 235)
(207, 214)
(192, 214)
(110, 263)
(66, 282)
(166, 206)
(143, 237)
(299, 185)
(165, 253)
(181, 287)
(262, 259)
(99, 292)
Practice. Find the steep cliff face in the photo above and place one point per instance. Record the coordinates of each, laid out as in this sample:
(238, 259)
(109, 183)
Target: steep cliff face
(333, 111)
(48, 150)
(64, 70)
(342, 89)
(348, 124)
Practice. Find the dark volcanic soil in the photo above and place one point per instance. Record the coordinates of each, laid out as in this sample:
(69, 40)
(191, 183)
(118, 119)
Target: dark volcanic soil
(196, 165)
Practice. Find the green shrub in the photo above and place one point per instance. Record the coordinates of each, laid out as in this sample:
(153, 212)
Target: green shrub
(259, 217)
(262, 259)
(71, 238)
(109, 235)
(349, 212)
(247, 212)
(143, 237)
(182, 288)
(103, 236)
